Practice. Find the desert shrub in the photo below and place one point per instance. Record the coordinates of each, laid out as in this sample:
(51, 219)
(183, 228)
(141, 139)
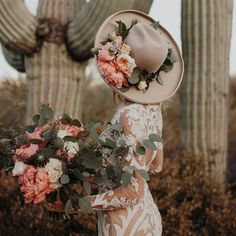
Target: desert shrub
(190, 204)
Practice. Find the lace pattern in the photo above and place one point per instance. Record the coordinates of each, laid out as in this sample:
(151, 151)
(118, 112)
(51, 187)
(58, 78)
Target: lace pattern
(131, 210)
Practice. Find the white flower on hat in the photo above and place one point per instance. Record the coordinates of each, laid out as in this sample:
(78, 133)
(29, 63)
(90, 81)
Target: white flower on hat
(125, 48)
(71, 147)
(142, 85)
(54, 169)
(19, 168)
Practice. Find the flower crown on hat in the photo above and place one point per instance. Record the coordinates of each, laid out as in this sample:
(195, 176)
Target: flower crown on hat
(117, 66)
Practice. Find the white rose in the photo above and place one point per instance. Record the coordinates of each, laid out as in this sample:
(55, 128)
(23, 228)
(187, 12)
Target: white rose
(71, 147)
(19, 168)
(54, 169)
(142, 85)
(125, 49)
(63, 133)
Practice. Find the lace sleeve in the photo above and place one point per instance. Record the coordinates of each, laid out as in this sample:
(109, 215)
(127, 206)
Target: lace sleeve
(122, 196)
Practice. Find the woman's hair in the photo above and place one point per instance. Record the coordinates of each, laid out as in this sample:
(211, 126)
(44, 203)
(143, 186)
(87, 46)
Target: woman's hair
(118, 99)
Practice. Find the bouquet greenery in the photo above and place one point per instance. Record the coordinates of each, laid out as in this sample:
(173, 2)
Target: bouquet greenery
(59, 162)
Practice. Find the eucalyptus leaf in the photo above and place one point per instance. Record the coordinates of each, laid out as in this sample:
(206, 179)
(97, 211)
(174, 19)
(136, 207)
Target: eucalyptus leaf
(123, 89)
(36, 141)
(30, 128)
(116, 127)
(21, 140)
(110, 171)
(87, 186)
(59, 143)
(156, 24)
(159, 80)
(125, 178)
(84, 204)
(68, 207)
(141, 150)
(110, 143)
(149, 144)
(173, 57)
(155, 138)
(65, 179)
(35, 119)
(46, 112)
(134, 79)
(121, 151)
(122, 143)
(47, 134)
(143, 173)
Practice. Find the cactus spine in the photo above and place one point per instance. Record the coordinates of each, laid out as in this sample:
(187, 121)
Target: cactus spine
(206, 34)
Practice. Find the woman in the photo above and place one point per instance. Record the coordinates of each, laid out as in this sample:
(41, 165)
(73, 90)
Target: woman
(132, 59)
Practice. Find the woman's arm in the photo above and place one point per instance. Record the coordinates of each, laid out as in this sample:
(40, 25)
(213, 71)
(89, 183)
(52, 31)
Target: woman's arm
(122, 196)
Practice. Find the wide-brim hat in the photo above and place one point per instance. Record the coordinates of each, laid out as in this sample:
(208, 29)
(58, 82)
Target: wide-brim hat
(169, 80)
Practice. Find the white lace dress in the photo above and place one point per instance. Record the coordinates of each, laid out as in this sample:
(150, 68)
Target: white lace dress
(131, 211)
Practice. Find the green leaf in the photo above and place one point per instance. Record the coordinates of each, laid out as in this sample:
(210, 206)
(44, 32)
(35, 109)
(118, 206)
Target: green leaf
(68, 207)
(65, 179)
(21, 140)
(116, 127)
(93, 134)
(166, 67)
(35, 119)
(87, 187)
(173, 57)
(66, 120)
(85, 204)
(159, 80)
(47, 134)
(46, 113)
(76, 123)
(91, 161)
(36, 141)
(122, 29)
(121, 151)
(141, 150)
(134, 79)
(122, 143)
(149, 144)
(155, 138)
(110, 143)
(156, 24)
(123, 89)
(110, 171)
(59, 143)
(143, 173)
(30, 128)
(125, 178)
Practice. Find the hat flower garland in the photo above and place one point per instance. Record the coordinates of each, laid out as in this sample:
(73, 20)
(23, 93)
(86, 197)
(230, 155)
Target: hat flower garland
(117, 66)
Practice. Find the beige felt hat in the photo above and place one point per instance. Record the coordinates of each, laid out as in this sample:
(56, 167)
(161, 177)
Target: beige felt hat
(150, 47)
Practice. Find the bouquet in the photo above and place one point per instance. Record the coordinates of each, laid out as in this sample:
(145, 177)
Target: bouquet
(59, 162)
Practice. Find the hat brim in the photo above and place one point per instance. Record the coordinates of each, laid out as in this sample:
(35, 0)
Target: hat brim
(171, 80)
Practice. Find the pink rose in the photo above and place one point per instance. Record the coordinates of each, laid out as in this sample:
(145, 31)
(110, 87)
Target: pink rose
(104, 54)
(25, 151)
(35, 184)
(106, 69)
(126, 64)
(42, 186)
(73, 130)
(112, 74)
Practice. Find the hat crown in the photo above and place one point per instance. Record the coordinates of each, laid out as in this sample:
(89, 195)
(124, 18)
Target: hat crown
(148, 47)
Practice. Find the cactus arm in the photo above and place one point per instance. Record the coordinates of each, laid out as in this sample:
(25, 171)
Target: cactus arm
(17, 26)
(16, 60)
(81, 31)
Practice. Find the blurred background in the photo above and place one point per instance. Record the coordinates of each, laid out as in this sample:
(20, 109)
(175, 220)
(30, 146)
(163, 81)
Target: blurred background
(45, 58)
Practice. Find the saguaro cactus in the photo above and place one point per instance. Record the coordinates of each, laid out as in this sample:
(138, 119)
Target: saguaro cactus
(206, 34)
(53, 46)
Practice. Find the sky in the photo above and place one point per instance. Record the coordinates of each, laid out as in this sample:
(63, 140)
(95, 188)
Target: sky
(158, 11)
